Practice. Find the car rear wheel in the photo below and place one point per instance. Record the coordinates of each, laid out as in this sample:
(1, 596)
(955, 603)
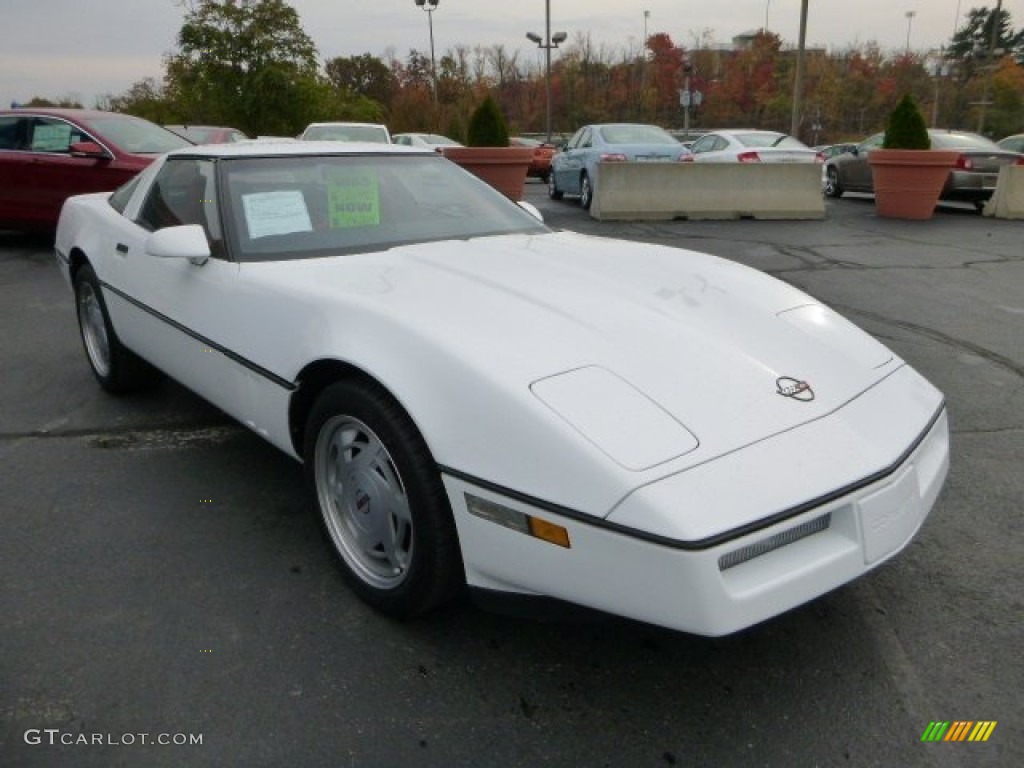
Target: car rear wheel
(553, 191)
(832, 186)
(116, 368)
(586, 191)
(381, 501)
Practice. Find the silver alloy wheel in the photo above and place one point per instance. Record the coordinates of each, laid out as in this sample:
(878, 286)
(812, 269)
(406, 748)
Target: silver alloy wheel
(94, 329)
(586, 191)
(364, 502)
(831, 181)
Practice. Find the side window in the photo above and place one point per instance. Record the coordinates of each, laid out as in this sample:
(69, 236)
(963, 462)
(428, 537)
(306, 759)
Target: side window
(50, 134)
(575, 140)
(184, 192)
(702, 144)
(119, 198)
(14, 132)
(585, 140)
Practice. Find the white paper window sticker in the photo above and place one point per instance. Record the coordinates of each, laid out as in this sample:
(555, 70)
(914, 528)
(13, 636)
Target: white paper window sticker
(276, 213)
(52, 137)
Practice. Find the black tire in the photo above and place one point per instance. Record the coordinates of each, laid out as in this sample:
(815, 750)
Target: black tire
(117, 369)
(381, 501)
(553, 191)
(586, 191)
(832, 186)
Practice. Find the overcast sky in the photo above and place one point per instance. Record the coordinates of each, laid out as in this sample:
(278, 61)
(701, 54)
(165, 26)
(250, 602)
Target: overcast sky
(85, 48)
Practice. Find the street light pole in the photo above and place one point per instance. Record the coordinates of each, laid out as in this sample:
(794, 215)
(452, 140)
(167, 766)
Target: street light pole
(910, 18)
(430, 6)
(798, 81)
(548, 42)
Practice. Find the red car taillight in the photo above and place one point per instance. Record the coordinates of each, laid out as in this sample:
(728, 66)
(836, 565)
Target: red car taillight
(1020, 160)
(748, 157)
(612, 157)
(964, 163)
(686, 157)
(819, 158)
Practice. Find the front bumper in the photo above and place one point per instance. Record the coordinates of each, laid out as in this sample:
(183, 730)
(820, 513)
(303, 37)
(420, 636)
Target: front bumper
(723, 585)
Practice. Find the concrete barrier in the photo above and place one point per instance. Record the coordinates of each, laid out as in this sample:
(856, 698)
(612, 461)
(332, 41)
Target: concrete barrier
(663, 191)
(1007, 202)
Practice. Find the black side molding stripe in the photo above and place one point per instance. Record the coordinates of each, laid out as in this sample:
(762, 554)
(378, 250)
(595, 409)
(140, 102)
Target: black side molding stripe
(234, 356)
(710, 541)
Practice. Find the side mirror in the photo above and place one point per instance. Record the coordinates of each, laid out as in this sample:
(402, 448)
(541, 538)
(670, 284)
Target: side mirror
(185, 242)
(854, 151)
(531, 209)
(88, 149)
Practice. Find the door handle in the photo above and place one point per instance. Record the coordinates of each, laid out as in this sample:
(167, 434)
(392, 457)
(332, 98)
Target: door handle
(122, 248)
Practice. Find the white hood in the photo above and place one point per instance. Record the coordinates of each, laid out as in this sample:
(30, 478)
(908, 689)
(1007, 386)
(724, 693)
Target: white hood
(699, 340)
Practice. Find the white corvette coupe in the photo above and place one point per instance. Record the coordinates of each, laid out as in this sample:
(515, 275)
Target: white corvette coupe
(481, 401)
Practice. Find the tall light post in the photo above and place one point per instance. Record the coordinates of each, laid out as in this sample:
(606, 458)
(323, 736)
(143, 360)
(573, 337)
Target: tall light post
(767, 5)
(798, 81)
(548, 42)
(430, 6)
(910, 19)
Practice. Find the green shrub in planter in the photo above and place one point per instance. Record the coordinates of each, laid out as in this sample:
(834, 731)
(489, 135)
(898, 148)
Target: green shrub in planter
(487, 126)
(906, 128)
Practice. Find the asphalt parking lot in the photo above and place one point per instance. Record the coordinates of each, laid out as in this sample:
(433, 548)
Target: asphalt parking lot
(163, 574)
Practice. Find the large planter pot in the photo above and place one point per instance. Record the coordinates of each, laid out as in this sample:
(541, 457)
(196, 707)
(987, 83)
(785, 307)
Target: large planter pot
(504, 168)
(908, 182)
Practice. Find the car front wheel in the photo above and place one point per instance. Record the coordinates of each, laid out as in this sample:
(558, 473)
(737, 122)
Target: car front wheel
(381, 501)
(832, 186)
(116, 368)
(553, 191)
(586, 191)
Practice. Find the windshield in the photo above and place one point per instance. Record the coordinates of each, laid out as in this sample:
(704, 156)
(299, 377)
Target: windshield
(281, 208)
(636, 134)
(133, 134)
(963, 141)
(340, 132)
(769, 140)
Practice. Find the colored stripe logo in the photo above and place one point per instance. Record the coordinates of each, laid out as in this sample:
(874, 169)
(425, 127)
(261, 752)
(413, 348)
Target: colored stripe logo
(958, 730)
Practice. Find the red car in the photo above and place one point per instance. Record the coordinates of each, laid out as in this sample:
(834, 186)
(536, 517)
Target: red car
(540, 166)
(207, 134)
(47, 155)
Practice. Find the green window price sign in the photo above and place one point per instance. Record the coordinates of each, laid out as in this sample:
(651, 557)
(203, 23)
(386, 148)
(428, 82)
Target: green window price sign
(353, 198)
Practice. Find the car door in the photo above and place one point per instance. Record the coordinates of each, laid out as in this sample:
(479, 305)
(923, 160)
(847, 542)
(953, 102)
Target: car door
(858, 168)
(15, 171)
(56, 174)
(574, 160)
(173, 312)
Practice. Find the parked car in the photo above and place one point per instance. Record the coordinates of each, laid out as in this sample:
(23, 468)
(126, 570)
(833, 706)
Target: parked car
(972, 179)
(372, 132)
(429, 140)
(1013, 143)
(479, 400)
(749, 146)
(207, 134)
(540, 165)
(47, 155)
(573, 169)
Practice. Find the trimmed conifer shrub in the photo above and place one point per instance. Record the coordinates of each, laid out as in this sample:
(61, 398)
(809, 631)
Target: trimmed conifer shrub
(906, 128)
(487, 126)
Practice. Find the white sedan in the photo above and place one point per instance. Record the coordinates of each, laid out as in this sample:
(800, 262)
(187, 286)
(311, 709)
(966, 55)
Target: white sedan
(480, 401)
(752, 147)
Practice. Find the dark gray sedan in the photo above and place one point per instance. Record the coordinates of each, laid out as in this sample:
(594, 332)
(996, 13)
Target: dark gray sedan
(972, 179)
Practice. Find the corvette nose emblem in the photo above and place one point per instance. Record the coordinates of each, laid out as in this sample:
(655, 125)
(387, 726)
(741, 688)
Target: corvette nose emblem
(795, 389)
